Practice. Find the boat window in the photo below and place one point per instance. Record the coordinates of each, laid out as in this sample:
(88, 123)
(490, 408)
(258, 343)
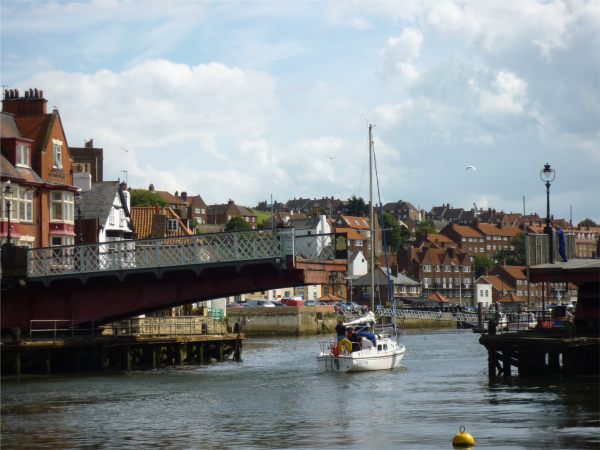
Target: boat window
(379, 347)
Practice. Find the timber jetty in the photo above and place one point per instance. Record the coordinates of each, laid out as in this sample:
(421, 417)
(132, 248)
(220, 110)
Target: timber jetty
(136, 344)
(554, 347)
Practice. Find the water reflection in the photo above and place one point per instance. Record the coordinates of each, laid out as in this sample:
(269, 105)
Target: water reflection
(277, 398)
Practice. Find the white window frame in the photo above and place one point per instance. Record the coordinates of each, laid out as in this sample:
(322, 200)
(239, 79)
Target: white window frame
(172, 225)
(23, 155)
(25, 205)
(58, 240)
(63, 202)
(57, 154)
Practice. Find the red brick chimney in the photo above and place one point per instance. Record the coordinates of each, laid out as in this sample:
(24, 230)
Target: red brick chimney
(32, 103)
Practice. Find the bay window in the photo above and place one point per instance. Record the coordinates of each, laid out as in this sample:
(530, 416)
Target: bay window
(61, 206)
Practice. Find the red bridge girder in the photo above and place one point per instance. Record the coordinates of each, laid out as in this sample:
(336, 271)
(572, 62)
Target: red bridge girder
(103, 299)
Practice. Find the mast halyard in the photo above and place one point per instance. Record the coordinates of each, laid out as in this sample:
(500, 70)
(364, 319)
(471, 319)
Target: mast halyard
(371, 218)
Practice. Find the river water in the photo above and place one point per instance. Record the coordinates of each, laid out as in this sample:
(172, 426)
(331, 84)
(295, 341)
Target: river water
(277, 398)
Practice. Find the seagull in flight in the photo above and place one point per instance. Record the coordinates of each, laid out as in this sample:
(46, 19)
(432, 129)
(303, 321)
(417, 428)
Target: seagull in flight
(471, 168)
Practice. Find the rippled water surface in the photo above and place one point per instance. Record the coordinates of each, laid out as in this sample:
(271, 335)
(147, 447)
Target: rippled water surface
(277, 398)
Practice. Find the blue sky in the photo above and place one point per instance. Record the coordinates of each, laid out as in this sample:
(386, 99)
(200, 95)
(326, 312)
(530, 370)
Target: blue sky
(245, 100)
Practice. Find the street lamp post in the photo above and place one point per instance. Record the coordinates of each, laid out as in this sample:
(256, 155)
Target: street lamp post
(547, 175)
(7, 192)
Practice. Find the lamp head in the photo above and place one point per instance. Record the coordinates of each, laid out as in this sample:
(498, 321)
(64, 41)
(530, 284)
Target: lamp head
(7, 188)
(547, 174)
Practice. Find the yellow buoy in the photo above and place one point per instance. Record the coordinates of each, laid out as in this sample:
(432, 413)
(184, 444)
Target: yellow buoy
(463, 439)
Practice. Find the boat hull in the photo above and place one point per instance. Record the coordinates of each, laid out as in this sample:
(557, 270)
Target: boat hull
(362, 361)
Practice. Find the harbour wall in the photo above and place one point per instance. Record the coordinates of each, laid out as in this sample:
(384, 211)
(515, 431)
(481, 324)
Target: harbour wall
(305, 320)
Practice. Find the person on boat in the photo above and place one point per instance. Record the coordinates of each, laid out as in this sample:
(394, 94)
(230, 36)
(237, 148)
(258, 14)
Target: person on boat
(341, 330)
(354, 338)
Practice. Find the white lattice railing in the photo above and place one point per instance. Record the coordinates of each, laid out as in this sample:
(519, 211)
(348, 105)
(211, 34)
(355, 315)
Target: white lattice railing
(178, 251)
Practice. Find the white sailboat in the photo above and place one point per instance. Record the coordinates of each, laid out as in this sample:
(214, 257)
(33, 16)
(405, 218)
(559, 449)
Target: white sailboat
(376, 349)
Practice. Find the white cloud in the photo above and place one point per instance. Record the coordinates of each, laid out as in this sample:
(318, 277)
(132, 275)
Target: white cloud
(391, 114)
(509, 95)
(233, 102)
(401, 54)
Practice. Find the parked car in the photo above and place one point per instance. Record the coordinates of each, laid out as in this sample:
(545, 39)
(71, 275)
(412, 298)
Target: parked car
(259, 303)
(311, 303)
(277, 303)
(293, 301)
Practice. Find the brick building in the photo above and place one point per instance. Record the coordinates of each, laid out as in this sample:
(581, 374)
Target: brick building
(37, 162)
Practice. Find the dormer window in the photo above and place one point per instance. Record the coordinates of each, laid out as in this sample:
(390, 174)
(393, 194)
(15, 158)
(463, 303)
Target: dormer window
(172, 225)
(23, 155)
(57, 152)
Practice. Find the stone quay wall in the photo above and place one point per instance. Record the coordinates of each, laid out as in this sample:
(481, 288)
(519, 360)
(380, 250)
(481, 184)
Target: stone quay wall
(304, 320)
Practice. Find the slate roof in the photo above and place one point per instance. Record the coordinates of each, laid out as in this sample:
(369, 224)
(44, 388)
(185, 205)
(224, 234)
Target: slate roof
(97, 202)
(25, 173)
(381, 279)
(8, 127)
(308, 223)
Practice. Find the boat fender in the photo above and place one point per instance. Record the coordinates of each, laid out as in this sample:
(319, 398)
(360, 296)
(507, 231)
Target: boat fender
(345, 346)
(463, 439)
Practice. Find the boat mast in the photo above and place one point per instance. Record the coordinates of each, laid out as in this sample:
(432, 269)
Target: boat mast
(371, 218)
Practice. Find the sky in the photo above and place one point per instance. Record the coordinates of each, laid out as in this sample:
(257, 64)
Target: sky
(248, 100)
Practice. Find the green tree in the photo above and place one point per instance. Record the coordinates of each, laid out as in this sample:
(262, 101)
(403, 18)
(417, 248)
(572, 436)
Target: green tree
(237, 224)
(357, 207)
(587, 223)
(424, 227)
(143, 198)
(392, 232)
(483, 264)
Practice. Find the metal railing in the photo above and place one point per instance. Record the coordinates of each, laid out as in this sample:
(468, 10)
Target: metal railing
(147, 326)
(401, 313)
(178, 251)
(60, 328)
(167, 326)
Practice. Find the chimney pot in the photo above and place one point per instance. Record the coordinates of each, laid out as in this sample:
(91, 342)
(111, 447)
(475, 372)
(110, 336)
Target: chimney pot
(151, 187)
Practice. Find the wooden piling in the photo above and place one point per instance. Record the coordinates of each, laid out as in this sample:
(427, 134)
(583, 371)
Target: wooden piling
(115, 353)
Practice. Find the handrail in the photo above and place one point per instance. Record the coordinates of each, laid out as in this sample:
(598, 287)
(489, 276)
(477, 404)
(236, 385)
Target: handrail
(255, 245)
